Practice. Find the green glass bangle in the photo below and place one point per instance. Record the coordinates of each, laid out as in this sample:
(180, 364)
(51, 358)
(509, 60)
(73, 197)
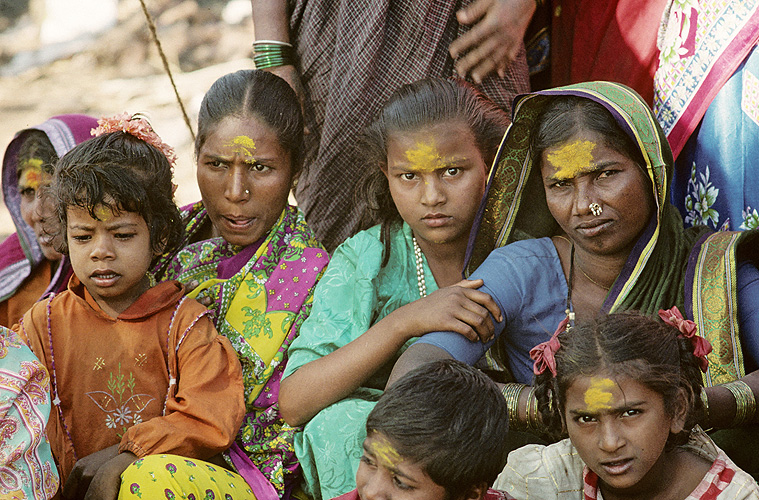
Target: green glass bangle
(267, 55)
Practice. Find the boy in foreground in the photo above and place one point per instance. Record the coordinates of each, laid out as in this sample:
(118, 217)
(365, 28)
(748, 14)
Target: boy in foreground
(436, 434)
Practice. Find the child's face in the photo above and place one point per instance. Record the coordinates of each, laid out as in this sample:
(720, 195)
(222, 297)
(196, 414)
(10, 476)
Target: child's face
(244, 176)
(384, 475)
(110, 256)
(437, 177)
(619, 428)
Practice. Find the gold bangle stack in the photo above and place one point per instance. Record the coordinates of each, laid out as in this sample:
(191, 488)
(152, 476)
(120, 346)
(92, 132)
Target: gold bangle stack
(532, 410)
(745, 402)
(511, 393)
(705, 402)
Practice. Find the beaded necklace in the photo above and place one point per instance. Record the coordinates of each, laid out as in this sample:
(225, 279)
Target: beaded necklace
(421, 282)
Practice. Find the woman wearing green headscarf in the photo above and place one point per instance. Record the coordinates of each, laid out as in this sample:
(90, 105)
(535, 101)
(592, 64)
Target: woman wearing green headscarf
(576, 222)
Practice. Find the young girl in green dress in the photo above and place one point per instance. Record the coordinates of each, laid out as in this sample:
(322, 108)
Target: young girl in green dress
(427, 158)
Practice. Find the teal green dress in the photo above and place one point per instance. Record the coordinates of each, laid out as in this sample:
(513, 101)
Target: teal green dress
(354, 293)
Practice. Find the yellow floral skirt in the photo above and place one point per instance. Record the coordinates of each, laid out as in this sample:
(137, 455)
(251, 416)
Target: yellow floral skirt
(173, 477)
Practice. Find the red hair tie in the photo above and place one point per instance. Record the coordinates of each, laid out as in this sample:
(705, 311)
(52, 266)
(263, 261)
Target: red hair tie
(543, 353)
(688, 330)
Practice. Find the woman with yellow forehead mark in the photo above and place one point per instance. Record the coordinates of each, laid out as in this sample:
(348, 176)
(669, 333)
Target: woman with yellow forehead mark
(427, 155)
(577, 223)
(30, 266)
(251, 258)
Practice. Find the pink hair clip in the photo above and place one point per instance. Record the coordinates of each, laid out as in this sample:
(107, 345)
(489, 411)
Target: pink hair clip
(138, 126)
(688, 330)
(543, 353)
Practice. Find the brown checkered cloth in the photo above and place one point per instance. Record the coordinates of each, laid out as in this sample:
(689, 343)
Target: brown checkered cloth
(353, 54)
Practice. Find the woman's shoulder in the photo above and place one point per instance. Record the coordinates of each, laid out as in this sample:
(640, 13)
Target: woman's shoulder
(523, 258)
(530, 248)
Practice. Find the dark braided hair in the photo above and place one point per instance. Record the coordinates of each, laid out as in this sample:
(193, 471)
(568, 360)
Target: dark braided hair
(625, 344)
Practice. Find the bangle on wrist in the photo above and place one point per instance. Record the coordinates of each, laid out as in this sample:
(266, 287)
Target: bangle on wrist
(705, 402)
(511, 393)
(532, 410)
(272, 53)
(745, 402)
(272, 42)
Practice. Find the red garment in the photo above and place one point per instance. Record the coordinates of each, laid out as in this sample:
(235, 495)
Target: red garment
(115, 377)
(612, 40)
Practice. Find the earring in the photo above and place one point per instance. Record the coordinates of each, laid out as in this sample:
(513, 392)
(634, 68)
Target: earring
(595, 209)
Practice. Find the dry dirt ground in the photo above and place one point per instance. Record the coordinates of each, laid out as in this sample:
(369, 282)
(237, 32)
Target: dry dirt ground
(120, 70)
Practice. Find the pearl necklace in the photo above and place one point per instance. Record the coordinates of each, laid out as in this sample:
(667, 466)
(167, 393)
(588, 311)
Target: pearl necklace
(419, 269)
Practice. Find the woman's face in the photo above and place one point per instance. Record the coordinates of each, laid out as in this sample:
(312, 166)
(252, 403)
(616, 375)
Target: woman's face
(244, 176)
(437, 177)
(37, 208)
(584, 171)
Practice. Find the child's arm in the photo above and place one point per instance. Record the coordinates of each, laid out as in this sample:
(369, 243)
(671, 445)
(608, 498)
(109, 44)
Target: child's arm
(347, 295)
(203, 417)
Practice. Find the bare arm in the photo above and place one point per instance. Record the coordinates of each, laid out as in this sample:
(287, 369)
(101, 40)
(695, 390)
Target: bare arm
(414, 357)
(271, 21)
(459, 308)
(722, 404)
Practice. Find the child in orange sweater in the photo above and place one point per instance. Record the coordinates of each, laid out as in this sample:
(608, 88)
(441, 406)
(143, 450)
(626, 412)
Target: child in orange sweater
(136, 368)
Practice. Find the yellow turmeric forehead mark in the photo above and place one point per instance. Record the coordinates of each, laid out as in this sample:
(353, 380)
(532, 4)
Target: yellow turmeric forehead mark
(243, 145)
(599, 395)
(31, 175)
(384, 452)
(572, 159)
(103, 213)
(424, 157)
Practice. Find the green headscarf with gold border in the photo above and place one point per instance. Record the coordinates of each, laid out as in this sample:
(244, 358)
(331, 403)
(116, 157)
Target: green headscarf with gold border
(657, 273)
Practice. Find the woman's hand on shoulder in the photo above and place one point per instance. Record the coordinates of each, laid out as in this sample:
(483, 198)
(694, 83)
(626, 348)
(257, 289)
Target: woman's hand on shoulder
(460, 308)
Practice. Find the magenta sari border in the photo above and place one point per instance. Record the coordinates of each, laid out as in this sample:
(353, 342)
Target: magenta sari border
(732, 57)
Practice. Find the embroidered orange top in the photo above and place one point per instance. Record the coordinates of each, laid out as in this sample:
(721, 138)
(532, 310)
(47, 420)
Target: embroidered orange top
(156, 379)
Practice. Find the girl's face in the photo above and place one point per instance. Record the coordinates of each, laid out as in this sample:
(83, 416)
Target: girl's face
(584, 170)
(37, 207)
(437, 177)
(619, 428)
(110, 256)
(244, 177)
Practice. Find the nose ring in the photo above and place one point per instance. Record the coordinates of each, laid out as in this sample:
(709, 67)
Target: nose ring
(247, 191)
(595, 209)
